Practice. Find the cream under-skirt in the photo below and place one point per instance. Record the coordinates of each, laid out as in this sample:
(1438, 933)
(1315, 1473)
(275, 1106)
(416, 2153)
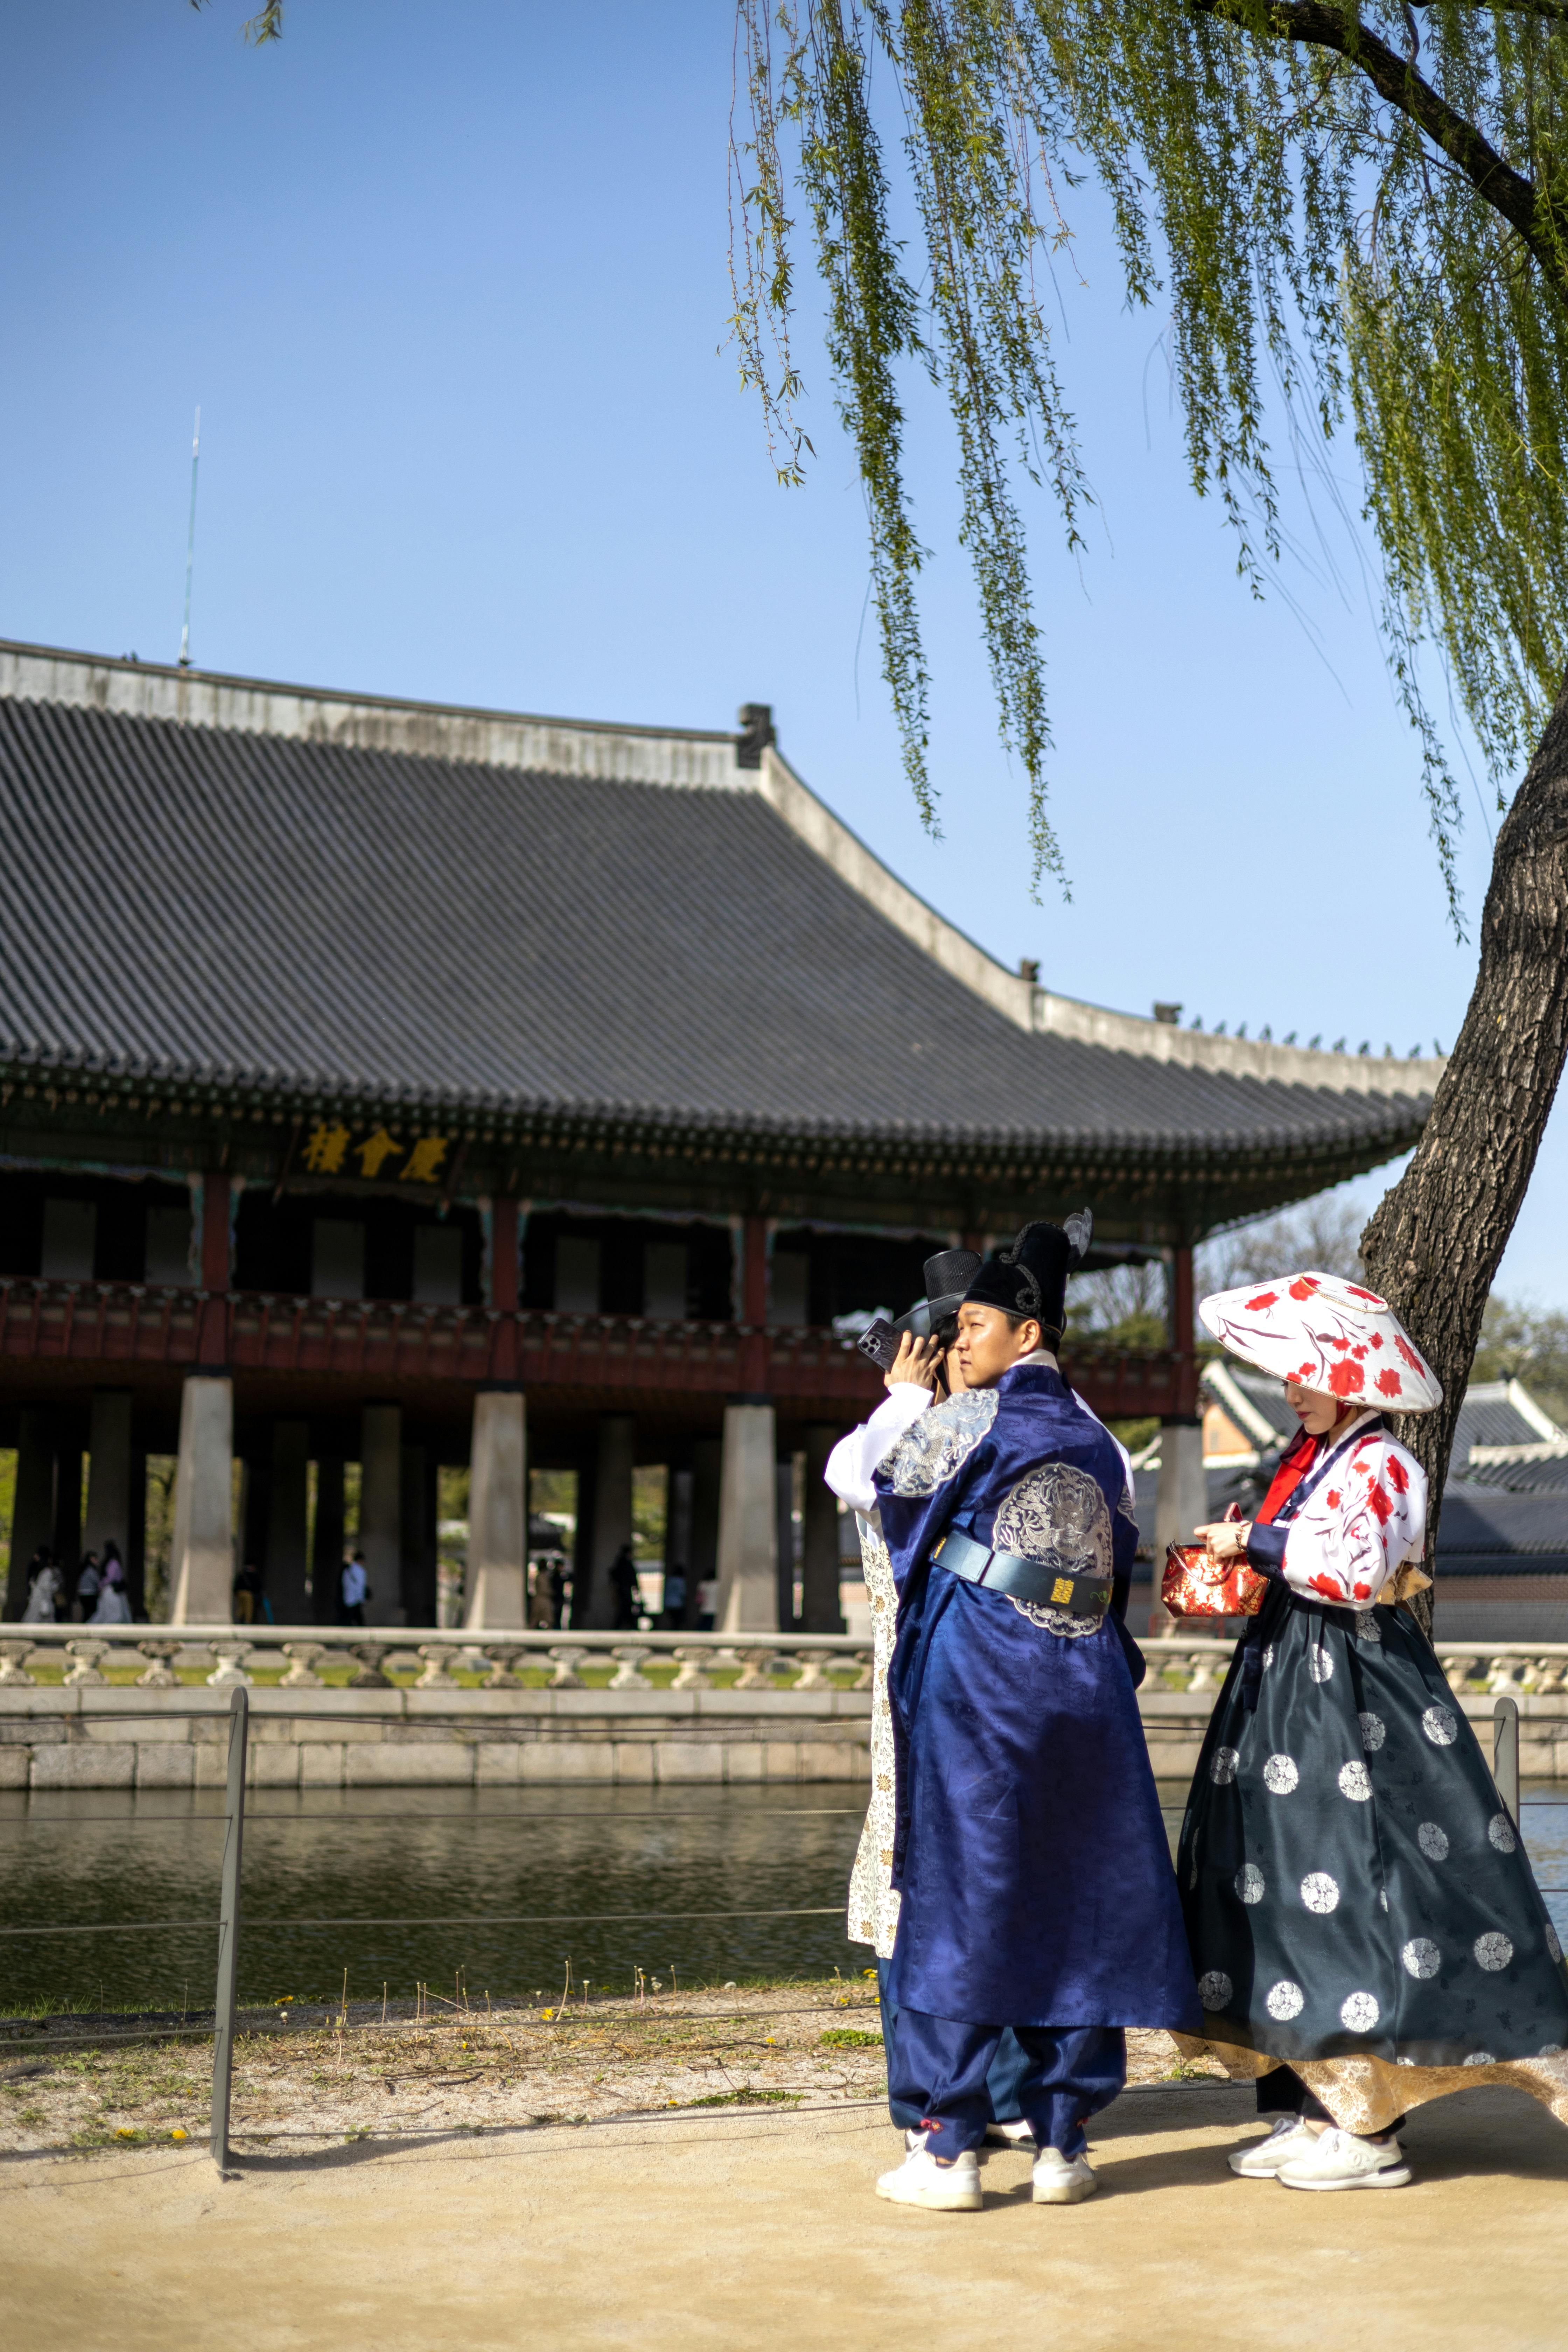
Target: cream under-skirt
(1367, 2094)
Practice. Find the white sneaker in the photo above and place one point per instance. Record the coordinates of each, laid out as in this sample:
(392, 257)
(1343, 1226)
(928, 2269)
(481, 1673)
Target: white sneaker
(1062, 2180)
(942, 2188)
(1260, 2160)
(1016, 2133)
(1338, 2159)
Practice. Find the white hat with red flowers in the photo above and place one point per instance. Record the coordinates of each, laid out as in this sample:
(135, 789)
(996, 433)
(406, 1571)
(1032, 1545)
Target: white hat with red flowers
(1325, 1334)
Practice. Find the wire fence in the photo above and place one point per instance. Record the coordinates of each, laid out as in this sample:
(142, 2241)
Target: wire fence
(226, 1925)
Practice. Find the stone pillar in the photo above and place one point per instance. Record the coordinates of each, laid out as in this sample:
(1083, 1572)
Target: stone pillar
(327, 1542)
(783, 1540)
(748, 1523)
(201, 1570)
(418, 1536)
(612, 1523)
(819, 1608)
(380, 1511)
(108, 1472)
(136, 1553)
(288, 1517)
(1180, 1503)
(497, 1581)
(707, 1480)
(33, 1515)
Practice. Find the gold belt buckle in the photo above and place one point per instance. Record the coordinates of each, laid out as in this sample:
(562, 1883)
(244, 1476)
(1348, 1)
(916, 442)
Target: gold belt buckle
(1061, 1590)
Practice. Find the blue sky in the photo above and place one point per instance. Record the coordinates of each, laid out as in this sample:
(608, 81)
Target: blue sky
(450, 287)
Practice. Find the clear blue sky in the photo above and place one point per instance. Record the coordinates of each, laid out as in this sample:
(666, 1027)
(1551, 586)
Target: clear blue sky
(450, 287)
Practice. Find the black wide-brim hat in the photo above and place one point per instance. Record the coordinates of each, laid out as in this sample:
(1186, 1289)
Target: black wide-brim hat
(1031, 1277)
(948, 1276)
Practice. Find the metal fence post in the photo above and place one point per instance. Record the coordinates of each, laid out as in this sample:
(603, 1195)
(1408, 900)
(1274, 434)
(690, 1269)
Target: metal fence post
(229, 1926)
(1505, 1753)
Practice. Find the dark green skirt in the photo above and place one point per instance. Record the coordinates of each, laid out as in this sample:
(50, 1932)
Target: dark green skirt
(1351, 1882)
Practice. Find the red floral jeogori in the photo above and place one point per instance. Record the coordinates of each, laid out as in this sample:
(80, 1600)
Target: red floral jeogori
(1328, 1335)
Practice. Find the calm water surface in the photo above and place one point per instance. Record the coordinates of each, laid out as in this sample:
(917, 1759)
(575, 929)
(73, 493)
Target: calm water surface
(69, 1859)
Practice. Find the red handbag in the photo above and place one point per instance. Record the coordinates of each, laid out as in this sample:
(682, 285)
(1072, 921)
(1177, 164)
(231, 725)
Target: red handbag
(1196, 1586)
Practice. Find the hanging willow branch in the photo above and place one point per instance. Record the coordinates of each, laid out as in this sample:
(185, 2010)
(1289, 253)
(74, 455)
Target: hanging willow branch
(1365, 205)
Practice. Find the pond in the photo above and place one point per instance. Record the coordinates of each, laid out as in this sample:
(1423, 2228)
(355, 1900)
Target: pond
(350, 1859)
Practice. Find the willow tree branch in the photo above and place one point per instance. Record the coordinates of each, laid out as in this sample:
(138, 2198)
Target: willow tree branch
(1320, 26)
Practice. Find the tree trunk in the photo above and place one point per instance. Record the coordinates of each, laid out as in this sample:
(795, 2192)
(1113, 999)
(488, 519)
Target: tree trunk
(1434, 1246)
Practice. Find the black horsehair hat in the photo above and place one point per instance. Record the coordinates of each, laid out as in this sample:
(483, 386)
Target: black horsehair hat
(947, 1278)
(1031, 1279)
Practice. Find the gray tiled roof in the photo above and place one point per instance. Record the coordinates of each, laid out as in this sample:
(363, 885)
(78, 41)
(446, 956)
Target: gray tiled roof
(204, 904)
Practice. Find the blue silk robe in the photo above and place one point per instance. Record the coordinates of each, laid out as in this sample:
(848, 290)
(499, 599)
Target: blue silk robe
(1029, 1852)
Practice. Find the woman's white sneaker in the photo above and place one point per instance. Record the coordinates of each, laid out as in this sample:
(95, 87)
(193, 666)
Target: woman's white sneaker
(1062, 2180)
(1338, 2159)
(940, 2188)
(1261, 2159)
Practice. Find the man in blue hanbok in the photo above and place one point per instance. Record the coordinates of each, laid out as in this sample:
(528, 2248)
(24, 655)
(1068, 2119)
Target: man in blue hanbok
(1029, 1855)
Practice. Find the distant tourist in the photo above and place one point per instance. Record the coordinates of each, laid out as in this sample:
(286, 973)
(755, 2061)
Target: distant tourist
(707, 1604)
(113, 1601)
(353, 1590)
(674, 1598)
(89, 1585)
(46, 1588)
(624, 1583)
(247, 1594)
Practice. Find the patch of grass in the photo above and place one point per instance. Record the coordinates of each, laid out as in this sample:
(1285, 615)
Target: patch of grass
(747, 2098)
(848, 2037)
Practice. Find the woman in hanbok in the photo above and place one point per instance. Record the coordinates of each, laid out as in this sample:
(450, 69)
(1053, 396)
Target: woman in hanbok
(1365, 1929)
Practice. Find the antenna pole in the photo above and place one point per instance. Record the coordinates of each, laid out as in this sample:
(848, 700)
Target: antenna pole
(191, 545)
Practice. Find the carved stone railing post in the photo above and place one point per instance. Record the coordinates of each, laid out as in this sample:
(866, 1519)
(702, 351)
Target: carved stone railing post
(436, 1676)
(1203, 1664)
(503, 1660)
(87, 1655)
(160, 1673)
(230, 1668)
(1503, 1681)
(629, 1674)
(370, 1655)
(692, 1674)
(567, 1662)
(756, 1670)
(1549, 1675)
(1457, 1666)
(13, 1657)
(302, 1658)
(866, 1661)
(813, 1668)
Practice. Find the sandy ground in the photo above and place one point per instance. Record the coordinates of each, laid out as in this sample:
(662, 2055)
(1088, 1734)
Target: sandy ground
(317, 2077)
(721, 2230)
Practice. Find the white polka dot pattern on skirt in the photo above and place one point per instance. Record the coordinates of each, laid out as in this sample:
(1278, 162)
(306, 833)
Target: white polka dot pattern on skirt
(1421, 1957)
(1320, 1891)
(1286, 2000)
(1249, 1883)
(1441, 1726)
(1214, 1990)
(1269, 1655)
(1367, 1628)
(1320, 1665)
(1549, 2050)
(1359, 2012)
(1383, 1897)
(1480, 2058)
(1355, 1782)
(1432, 1842)
(1280, 1775)
(1222, 1765)
(1493, 1951)
(1552, 1946)
(1499, 1831)
(1373, 1732)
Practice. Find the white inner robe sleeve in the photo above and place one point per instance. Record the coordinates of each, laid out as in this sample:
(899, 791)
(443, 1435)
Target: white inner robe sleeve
(855, 1458)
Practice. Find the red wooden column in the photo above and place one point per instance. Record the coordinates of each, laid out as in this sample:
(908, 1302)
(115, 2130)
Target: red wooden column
(211, 1349)
(503, 1287)
(754, 1305)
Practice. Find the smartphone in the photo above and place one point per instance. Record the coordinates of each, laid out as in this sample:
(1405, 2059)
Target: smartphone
(879, 1340)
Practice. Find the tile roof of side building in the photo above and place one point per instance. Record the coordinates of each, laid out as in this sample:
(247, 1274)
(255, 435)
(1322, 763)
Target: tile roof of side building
(342, 896)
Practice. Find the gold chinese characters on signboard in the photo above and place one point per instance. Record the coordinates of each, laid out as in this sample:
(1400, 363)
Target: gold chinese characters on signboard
(332, 1150)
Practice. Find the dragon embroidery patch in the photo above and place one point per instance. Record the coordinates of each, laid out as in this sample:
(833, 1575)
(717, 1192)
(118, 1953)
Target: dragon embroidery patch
(940, 1444)
(1058, 1515)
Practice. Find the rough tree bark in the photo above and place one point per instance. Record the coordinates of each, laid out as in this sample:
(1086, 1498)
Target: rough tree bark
(1434, 1243)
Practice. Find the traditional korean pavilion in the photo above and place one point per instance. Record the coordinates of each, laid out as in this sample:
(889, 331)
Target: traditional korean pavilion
(407, 1086)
